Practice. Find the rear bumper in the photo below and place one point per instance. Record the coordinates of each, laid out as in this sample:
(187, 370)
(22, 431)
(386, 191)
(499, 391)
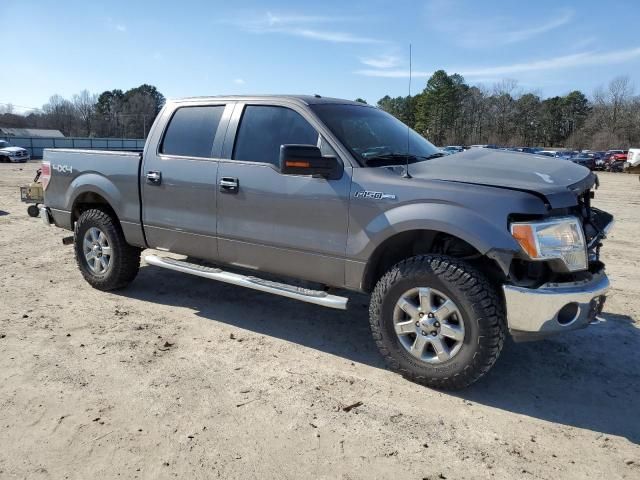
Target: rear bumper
(535, 313)
(45, 214)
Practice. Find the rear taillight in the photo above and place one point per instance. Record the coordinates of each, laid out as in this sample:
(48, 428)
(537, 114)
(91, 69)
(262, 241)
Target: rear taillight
(45, 174)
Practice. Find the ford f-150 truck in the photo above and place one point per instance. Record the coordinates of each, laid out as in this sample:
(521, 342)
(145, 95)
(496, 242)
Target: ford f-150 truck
(456, 252)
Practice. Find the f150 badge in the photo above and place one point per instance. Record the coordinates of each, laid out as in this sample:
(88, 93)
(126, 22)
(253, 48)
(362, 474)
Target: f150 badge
(62, 168)
(374, 195)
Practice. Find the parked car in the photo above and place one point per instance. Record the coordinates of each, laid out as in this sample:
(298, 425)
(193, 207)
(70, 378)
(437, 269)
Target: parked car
(9, 153)
(599, 160)
(633, 157)
(456, 253)
(632, 164)
(548, 153)
(526, 149)
(614, 160)
(585, 161)
(567, 154)
(453, 149)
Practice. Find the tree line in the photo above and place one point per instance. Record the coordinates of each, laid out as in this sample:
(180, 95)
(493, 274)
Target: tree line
(113, 113)
(450, 112)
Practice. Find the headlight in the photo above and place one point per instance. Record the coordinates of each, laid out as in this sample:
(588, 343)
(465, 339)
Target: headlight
(558, 238)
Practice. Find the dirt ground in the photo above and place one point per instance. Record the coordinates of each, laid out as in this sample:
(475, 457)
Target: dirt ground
(180, 377)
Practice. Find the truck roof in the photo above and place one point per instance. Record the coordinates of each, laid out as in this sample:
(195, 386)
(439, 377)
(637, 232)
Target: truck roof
(305, 99)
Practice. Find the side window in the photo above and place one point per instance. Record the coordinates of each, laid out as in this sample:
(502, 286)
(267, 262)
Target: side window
(191, 131)
(264, 128)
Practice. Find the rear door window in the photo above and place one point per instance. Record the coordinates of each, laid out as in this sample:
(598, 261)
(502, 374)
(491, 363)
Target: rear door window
(191, 131)
(263, 129)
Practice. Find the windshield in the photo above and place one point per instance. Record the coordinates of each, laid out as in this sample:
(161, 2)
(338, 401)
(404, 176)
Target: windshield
(369, 132)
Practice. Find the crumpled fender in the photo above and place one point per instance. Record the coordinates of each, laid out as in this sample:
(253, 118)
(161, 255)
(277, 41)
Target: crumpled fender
(485, 236)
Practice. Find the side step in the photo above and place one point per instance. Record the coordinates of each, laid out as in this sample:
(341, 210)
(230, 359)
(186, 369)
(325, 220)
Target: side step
(317, 297)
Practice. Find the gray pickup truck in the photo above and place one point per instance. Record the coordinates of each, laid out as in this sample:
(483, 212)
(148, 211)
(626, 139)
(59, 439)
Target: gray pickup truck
(323, 195)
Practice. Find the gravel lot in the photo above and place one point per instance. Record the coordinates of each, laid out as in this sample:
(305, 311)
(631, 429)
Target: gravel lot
(182, 377)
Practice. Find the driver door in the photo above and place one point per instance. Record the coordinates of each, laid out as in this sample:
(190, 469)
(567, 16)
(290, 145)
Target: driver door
(295, 225)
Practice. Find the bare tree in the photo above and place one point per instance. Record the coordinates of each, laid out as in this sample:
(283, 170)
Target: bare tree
(84, 104)
(60, 114)
(6, 108)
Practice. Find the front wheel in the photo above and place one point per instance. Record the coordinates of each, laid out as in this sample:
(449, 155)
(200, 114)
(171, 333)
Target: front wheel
(437, 321)
(106, 260)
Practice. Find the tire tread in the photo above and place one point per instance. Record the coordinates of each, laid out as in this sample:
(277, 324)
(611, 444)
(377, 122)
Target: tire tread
(126, 262)
(477, 289)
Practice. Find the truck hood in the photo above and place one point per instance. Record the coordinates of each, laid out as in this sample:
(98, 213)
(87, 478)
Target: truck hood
(12, 149)
(559, 181)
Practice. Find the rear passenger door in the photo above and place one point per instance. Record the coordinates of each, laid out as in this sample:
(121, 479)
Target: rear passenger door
(294, 225)
(178, 181)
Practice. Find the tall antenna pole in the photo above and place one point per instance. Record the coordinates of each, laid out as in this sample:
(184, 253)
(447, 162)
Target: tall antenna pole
(406, 167)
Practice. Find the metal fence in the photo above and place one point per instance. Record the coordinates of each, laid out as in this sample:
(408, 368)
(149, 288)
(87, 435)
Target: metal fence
(35, 145)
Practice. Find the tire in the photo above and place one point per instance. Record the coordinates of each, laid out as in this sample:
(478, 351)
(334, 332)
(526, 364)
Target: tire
(479, 321)
(123, 260)
(33, 210)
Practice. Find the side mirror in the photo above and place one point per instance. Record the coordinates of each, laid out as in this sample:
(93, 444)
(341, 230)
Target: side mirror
(307, 160)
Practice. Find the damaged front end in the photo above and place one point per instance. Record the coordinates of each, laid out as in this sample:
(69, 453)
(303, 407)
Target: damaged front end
(546, 296)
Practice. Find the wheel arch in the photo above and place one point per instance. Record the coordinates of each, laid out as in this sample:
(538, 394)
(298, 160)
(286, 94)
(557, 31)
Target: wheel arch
(88, 200)
(409, 243)
(418, 228)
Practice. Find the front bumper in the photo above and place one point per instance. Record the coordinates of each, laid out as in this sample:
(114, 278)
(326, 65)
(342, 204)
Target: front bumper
(535, 313)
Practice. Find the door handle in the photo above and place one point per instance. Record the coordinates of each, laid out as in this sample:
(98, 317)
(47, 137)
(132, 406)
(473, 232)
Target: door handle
(229, 185)
(154, 178)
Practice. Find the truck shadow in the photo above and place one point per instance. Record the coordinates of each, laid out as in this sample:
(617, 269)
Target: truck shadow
(588, 379)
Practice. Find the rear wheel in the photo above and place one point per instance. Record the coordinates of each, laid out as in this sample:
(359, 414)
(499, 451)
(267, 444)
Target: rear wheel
(104, 257)
(437, 321)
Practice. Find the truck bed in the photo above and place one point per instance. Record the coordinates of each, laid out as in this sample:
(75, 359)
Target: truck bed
(113, 175)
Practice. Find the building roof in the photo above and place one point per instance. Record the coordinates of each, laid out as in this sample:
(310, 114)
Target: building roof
(30, 132)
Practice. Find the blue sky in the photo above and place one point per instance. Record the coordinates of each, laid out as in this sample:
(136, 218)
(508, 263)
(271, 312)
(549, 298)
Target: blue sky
(334, 48)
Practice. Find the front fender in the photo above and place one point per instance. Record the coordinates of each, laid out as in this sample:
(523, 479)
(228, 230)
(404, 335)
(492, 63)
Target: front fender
(489, 238)
(454, 220)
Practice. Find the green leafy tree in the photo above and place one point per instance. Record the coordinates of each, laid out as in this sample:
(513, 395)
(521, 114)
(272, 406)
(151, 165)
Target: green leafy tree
(437, 106)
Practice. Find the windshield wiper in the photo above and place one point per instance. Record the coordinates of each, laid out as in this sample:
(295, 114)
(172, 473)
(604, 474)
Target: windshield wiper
(397, 158)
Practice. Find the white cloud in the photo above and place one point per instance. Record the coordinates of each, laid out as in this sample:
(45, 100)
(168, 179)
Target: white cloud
(157, 56)
(327, 36)
(119, 27)
(496, 30)
(299, 25)
(239, 81)
(527, 33)
(584, 59)
(383, 61)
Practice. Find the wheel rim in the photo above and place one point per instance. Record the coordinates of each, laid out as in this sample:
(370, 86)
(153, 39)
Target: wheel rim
(97, 250)
(429, 325)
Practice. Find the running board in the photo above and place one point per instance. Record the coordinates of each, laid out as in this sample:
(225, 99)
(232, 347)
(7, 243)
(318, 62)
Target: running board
(317, 297)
